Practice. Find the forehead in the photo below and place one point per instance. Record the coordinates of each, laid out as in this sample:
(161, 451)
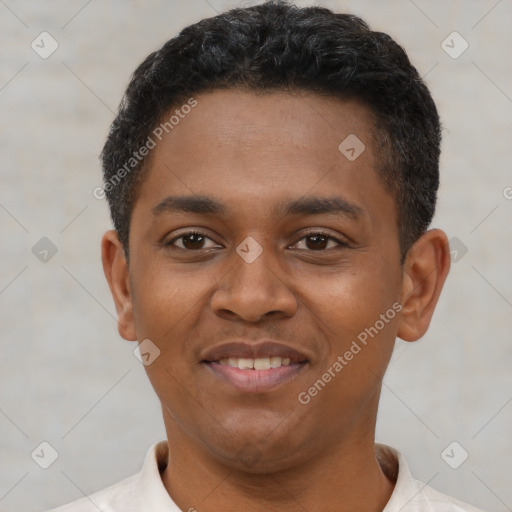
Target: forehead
(252, 151)
(279, 119)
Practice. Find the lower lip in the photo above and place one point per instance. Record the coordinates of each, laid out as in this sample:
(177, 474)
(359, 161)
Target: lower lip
(255, 380)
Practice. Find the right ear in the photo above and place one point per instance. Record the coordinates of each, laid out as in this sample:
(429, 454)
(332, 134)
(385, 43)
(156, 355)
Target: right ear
(115, 268)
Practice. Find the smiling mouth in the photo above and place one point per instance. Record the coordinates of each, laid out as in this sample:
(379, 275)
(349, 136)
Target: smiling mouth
(259, 363)
(255, 375)
(254, 367)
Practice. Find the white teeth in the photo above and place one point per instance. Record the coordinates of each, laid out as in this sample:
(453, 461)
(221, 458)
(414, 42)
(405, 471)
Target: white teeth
(245, 364)
(260, 363)
(275, 362)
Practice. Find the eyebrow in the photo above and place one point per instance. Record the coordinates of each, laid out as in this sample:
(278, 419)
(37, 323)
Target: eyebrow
(204, 205)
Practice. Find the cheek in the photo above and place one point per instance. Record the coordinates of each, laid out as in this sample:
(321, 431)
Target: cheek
(165, 299)
(168, 307)
(356, 310)
(355, 296)
(359, 324)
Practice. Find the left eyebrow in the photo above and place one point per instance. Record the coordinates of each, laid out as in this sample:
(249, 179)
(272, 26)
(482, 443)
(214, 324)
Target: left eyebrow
(318, 205)
(205, 205)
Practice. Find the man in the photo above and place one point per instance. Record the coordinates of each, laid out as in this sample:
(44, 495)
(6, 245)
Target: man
(271, 174)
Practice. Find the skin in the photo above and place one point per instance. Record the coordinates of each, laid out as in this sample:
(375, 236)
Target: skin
(266, 451)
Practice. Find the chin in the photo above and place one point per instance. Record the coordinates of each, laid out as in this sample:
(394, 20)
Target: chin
(256, 454)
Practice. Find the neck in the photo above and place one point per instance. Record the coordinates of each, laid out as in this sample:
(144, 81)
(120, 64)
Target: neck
(347, 477)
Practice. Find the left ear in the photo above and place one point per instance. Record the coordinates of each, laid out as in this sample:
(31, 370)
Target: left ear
(425, 269)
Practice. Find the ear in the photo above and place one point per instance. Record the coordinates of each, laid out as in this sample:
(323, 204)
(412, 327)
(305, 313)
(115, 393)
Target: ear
(115, 268)
(425, 269)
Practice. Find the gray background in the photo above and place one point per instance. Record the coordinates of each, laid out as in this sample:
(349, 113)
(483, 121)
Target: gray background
(67, 378)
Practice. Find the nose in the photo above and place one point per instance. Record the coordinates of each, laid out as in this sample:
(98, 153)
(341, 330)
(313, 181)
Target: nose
(251, 291)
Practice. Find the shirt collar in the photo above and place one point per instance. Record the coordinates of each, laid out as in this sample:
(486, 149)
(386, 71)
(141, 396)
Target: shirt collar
(153, 494)
(395, 467)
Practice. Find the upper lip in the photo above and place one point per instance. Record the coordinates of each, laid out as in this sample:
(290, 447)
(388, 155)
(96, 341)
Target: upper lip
(252, 350)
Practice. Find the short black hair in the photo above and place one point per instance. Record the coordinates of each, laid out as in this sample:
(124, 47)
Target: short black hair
(277, 46)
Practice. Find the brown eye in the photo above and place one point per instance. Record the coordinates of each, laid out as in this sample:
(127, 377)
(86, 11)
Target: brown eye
(318, 241)
(192, 241)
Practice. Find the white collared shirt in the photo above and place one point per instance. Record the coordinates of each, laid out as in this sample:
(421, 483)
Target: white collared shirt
(145, 491)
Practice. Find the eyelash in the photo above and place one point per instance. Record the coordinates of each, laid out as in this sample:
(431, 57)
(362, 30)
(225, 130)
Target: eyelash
(312, 232)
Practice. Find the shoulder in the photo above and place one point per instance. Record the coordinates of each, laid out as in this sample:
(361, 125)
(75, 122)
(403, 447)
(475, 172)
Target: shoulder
(117, 497)
(142, 491)
(409, 494)
(436, 501)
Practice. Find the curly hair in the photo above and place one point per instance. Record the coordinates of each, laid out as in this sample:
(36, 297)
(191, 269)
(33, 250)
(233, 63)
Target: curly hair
(279, 46)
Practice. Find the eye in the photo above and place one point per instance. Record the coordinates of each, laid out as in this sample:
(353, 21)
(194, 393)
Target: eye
(195, 240)
(319, 240)
(191, 240)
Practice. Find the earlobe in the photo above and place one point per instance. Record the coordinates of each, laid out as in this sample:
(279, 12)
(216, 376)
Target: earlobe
(425, 271)
(115, 268)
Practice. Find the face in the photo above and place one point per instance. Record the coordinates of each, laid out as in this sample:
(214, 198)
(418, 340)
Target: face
(255, 238)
